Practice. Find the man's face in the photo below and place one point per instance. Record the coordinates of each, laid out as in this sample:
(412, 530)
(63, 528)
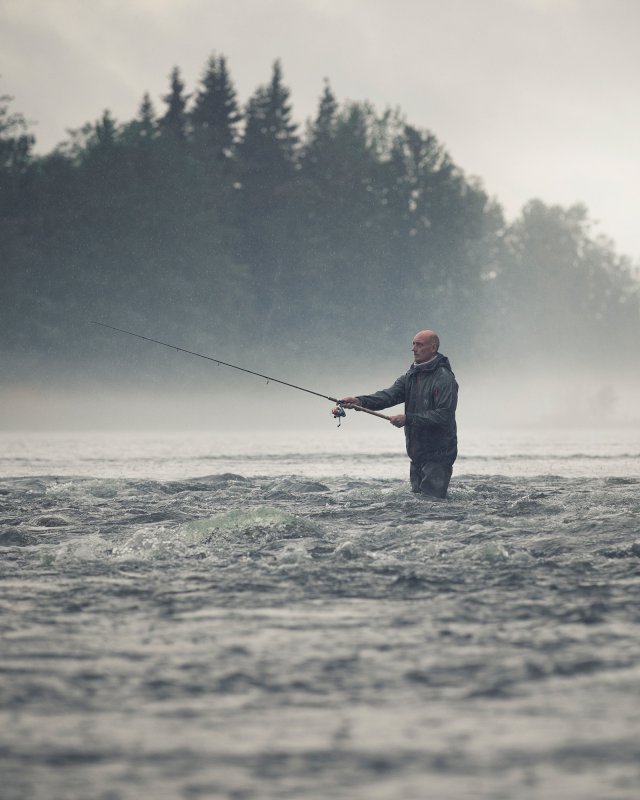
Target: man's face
(423, 348)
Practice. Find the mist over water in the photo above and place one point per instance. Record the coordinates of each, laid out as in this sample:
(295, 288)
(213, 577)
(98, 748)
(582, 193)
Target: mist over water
(175, 401)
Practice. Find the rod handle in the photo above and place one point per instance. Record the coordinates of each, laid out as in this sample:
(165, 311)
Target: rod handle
(369, 411)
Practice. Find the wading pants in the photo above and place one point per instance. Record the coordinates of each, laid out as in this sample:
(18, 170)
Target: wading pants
(431, 478)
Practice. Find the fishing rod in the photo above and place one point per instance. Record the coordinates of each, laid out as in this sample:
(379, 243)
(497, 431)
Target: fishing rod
(337, 412)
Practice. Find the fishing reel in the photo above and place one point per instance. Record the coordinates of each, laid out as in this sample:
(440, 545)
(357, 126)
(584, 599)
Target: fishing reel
(338, 412)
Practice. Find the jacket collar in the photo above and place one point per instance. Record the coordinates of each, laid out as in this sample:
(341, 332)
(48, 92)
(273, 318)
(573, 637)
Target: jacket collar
(428, 366)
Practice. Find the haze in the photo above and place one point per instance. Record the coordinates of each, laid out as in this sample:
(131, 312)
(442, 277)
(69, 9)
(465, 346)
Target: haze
(496, 203)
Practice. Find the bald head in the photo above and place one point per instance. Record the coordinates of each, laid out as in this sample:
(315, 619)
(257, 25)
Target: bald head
(424, 346)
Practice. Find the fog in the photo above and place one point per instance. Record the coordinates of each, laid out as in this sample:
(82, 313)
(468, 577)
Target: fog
(239, 403)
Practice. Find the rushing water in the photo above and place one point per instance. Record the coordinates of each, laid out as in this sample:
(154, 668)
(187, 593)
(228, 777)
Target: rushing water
(277, 616)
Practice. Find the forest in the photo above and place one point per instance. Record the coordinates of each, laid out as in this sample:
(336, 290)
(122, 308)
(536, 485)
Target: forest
(237, 230)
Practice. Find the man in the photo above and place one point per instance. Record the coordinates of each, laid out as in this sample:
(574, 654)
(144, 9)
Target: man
(430, 395)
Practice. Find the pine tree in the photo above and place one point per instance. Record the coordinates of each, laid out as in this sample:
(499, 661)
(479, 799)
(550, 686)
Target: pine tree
(146, 120)
(215, 115)
(174, 121)
(268, 148)
(105, 131)
(268, 207)
(323, 129)
(139, 136)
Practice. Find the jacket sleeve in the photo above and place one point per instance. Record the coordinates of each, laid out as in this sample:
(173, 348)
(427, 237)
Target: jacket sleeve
(385, 398)
(441, 410)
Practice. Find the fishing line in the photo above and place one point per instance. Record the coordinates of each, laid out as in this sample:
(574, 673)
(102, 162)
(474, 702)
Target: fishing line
(337, 412)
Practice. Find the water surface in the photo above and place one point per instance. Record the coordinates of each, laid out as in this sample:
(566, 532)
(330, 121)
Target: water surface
(207, 615)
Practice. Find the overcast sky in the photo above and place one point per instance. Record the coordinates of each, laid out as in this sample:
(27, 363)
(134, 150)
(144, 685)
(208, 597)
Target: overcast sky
(539, 98)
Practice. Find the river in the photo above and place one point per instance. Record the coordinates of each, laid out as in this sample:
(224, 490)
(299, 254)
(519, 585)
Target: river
(274, 615)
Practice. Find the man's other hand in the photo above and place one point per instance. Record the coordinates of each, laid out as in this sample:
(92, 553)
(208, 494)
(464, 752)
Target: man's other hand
(349, 402)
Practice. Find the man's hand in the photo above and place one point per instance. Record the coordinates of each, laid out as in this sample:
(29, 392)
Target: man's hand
(399, 420)
(349, 402)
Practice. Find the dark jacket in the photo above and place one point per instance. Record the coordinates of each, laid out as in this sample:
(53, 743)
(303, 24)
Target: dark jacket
(430, 396)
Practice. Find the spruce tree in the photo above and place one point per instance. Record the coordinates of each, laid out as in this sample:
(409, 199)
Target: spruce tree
(146, 119)
(174, 120)
(268, 148)
(139, 138)
(215, 116)
(268, 207)
(321, 132)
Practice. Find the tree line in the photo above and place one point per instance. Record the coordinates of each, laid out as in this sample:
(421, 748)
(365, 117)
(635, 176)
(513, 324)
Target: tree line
(208, 221)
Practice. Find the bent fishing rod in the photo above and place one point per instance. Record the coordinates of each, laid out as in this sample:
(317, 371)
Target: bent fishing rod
(337, 412)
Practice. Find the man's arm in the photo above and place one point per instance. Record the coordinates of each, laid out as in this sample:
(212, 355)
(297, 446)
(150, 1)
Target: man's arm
(385, 398)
